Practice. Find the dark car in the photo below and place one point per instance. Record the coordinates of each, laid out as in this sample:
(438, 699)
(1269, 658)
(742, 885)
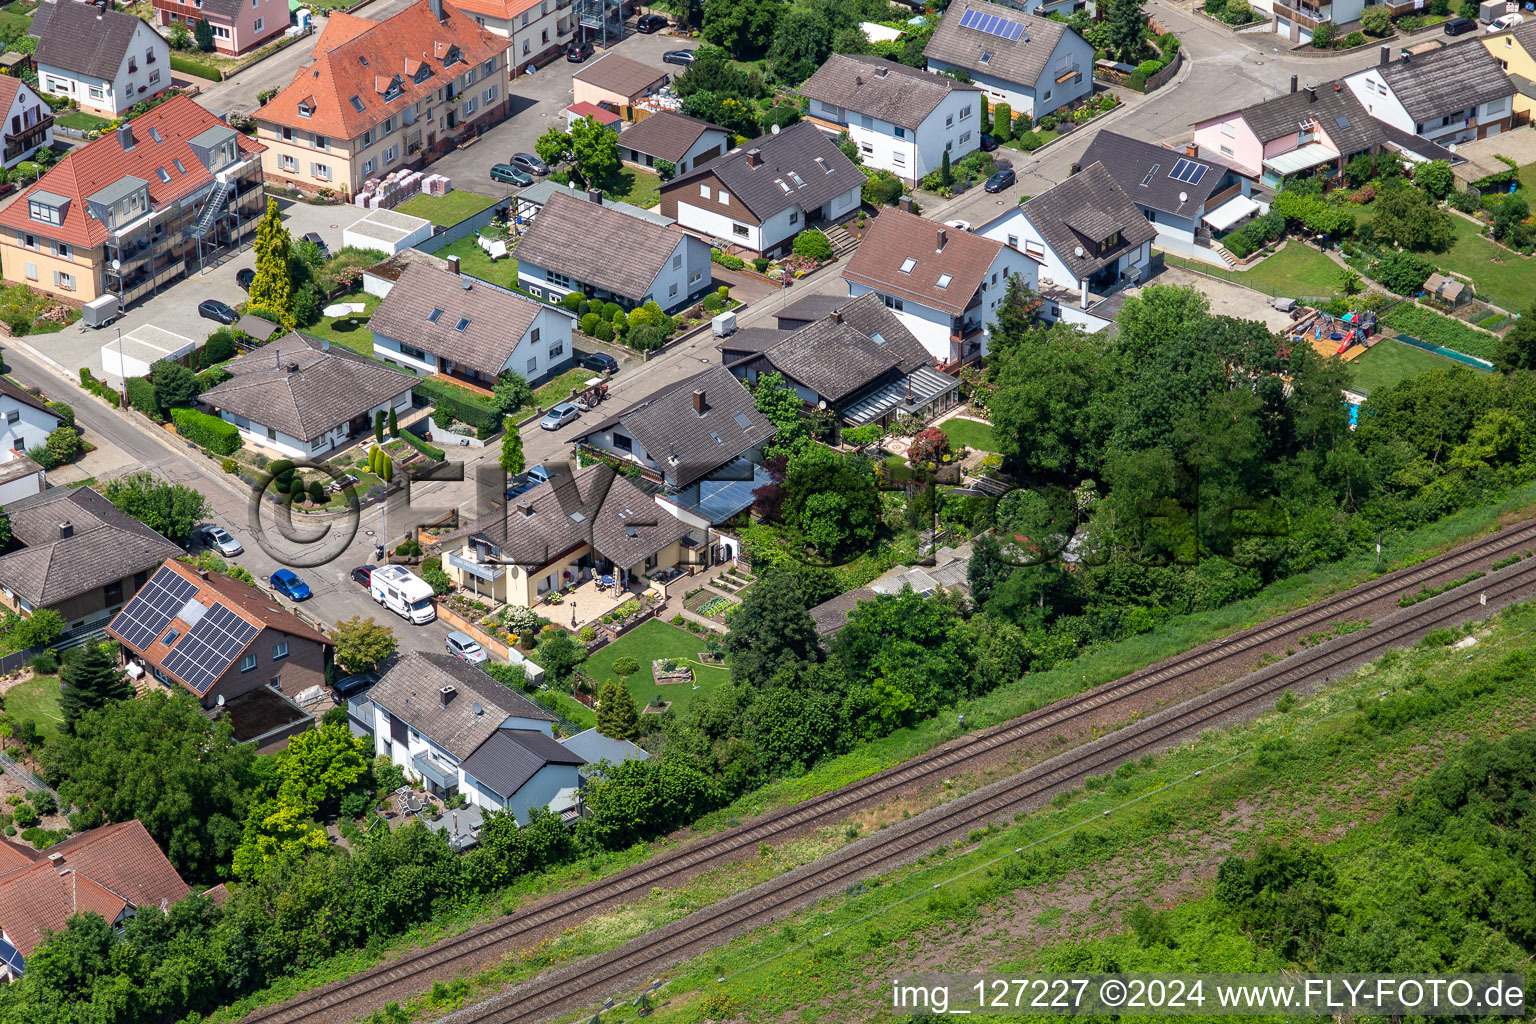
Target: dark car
(530, 163)
(213, 309)
(683, 57)
(352, 686)
(1001, 180)
(509, 175)
(599, 361)
(988, 143)
(649, 23)
(363, 575)
(320, 242)
(1456, 26)
(578, 52)
(245, 277)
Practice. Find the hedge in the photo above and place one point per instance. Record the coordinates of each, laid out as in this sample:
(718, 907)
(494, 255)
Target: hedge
(209, 431)
(196, 68)
(483, 418)
(430, 451)
(726, 260)
(141, 396)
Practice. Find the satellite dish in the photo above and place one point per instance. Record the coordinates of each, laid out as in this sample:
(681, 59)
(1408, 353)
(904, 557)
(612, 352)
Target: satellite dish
(774, 129)
(220, 701)
(1183, 197)
(1078, 251)
(117, 265)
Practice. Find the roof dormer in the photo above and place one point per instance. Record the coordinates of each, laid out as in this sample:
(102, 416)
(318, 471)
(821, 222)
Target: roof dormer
(389, 87)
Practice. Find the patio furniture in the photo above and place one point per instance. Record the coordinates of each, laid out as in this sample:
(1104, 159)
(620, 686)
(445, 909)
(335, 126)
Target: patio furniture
(337, 309)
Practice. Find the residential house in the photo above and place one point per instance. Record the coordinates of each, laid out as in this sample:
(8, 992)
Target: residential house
(217, 638)
(1033, 64)
(20, 477)
(591, 111)
(1316, 129)
(594, 748)
(701, 439)
(440, 322)
(305, 398)
(115, 871)
(1182, 197)
(382, 95)
(759, 199)
(586, 523)
(135, 209)
(72, 551)
(238, 26)
(104, 59)
(26, 121)
(944, 283)
(1516, 53)
(673, 138)
(1453, 94)
(458, 731)
(902, 119)
(28, 420)
(571, 246)
(860, 361)
(535, 30)
(1089, 240)
(1298, 20)
(617, 82)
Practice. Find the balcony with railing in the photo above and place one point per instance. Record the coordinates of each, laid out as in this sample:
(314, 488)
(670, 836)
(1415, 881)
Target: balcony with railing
(28, 137)
(1307, 15)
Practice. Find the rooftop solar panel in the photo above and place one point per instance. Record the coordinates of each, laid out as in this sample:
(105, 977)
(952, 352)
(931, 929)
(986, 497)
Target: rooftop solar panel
(203, 654)
(968, 19)
(10, 956)
(153, 608)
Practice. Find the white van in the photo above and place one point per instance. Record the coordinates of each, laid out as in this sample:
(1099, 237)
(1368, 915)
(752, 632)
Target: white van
(404, 593)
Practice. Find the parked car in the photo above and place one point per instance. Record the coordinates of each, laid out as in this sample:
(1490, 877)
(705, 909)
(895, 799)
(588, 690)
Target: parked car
(363, 575)
(288, 583)
(510, 175)
(531, 479)
(1001, 180)
(649, 23)
(682, 57)
(988, 143)
(599, 361)
(352, 686)
(244, 278)
(463, 646)
(559, 416)
(220, 540)
(1506, 22)
(958, 225)
(1456, 26)
(213, 309)
(314, 237)
(578, 52)
(529, 163)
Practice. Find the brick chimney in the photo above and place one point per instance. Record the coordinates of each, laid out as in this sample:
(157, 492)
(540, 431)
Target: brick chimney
(66, 529)
(1385, 58)
(1311, 94)
(904, 204)
(525, 508)
(698, 401)
(595, 195)
(754, 158)
(1190, 149)
(943, 238)
(445, 694)
(1294, 80)
(836, 316)
(453, 265)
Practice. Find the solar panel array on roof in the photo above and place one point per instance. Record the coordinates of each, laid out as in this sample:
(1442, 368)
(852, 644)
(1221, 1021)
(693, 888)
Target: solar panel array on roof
(992, 24)
(153, 608)
(204, 653)
(10, 956)
(1187, 171)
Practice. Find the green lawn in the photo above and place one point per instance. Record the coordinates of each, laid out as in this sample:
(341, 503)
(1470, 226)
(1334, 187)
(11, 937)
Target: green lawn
(1502, 277)
(1295, 271)
(1392, 361)
(558, 388)
(349, 331)
(476, 262)
(656, 639)
(446, 211)
(19, 22)
(81, 120)
(37, 699)
(969, 433)
(635, 187)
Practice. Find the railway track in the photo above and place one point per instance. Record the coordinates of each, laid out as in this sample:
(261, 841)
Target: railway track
(1102, 704)
(628, 967)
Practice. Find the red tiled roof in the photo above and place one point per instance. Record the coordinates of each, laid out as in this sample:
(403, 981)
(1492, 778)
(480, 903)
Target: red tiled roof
(938, 253)
(355, 59)
(13, 856)
(103, 871)
(8, 89)
(93, 167)
(595, 112)
(497, 8)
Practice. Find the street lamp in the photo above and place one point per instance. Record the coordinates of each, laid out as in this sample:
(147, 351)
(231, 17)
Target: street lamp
(122, 367)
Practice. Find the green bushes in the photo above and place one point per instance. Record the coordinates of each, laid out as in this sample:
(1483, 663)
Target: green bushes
(1322, 36)
(572, 300)
(589, 323)
(1434, 329)
(860, 436)
(1402, 272)
(432, 572)
(1254, 235)
(712, 303)
(221, 345)
(141, 396)
(430, 451)
(726, 260)
(98, 388)
(208, 431)
(604, 331)
(449, 400)
(1002, 122)
(650, 315)
(882, 189)
(196, 68)
(812, 244)
(1375, 21)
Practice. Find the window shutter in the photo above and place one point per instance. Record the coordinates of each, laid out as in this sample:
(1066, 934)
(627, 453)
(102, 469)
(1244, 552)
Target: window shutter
(397, 729)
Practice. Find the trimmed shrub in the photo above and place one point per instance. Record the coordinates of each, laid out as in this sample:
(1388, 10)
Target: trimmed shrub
(141, 396)
(572, 300)
(195, 68)
(430, 451)
(604, 331)
(589, 323)
(65, 412)
(611, 310)
(760, 264)
(646, 338)
(209, 431)
(316, 492)
(1002, 122)
(648, 315)
(730, 262)
(1353, 39)
(1322, 36)
(221, 345)
(812, 244)
(712, 303)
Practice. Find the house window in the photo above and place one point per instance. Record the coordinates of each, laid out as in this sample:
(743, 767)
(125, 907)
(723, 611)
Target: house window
(97, 93)
(892, 302)
(489, 96)
(318, 443)
(949, 122)
(391, 154)
(1226, 150)
(533, 364)
(31, 271)
(527, 47)
(1228, 129)
(965, 112)
(280, 650)
(557, 351)
(43, 212)
(899, 159)
(154, 76)
(64, 281)
(677, 261)
(248, 663)
(866, 122)
(740, 229)
(321, 171)
(622, 443)
(901, 133)
(321, 142)
(704, 191)
(13, 415)
(259, 22)
(367, 167)
(285, 133)
(287, 163)
(672, 289)
(794, 216)
(698, 275)
(61, 250)
(866, 149)
(725, 197)
(965, 137)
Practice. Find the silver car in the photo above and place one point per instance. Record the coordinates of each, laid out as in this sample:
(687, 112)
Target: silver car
(463, 646)
(559, 416)
(220, 540)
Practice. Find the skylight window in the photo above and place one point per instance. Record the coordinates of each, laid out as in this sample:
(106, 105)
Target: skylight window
(362, 60)
(780, 182)
(799, 182)
(179, 166)
(944, 280)
(357, 104)
(907, 265)
(170, 637)
(463, 323)
(161, 172)
(877, 338)
(742, 421)
(578, 517)
(986, 57)
(715, 437)
(432, 316)
(154, 133)
(1148, 179)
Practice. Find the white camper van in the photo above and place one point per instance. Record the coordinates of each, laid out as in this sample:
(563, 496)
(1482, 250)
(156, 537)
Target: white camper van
(404, 593)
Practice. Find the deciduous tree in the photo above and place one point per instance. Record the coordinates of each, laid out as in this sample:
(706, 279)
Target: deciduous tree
(744, 27)
(771, 629)
(1517, 348)
(362, 644)
(171, 510)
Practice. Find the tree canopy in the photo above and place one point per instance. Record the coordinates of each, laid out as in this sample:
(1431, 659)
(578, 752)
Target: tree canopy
(362, 644)
(171, 510)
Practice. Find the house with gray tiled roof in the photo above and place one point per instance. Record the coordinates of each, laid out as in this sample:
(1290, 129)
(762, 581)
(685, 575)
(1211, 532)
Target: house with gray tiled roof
(28, 420)
(1033, 64)
(902, 119)
(74, 552)
(303, 397)
(102, 58)
(680, 140)
(1454, 94)
(758, 198)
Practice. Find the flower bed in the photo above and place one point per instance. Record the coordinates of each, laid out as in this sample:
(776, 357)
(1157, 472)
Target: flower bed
(670, 671)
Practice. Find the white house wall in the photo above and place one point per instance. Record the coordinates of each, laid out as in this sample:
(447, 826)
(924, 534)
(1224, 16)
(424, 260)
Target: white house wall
(26, 98)
(290, 445)
(928, 325)
(1368, 87)
(550, 354)
(545, 785)
(1043, 95)
(30, 428)
(122, 90)
(912, 154)
(22, 487)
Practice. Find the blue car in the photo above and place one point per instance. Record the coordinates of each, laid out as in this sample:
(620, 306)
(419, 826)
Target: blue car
(287, 583)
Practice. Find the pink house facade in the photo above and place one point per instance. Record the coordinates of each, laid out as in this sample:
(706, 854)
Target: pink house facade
(238, 25)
